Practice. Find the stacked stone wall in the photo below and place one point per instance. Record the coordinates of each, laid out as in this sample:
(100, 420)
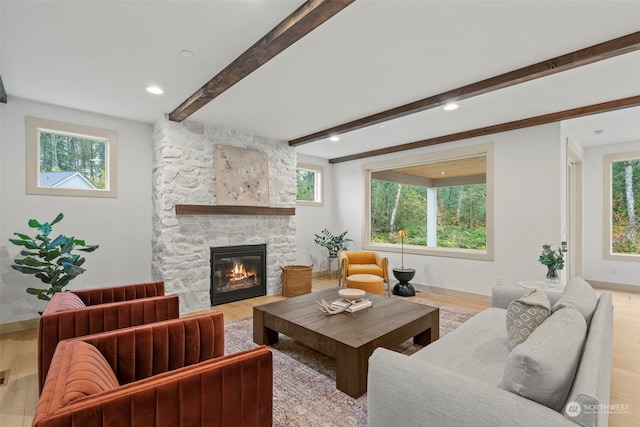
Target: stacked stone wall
(183, 173)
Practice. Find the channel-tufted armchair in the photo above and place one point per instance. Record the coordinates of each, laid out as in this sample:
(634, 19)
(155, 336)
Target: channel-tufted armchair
(165, 374)
(76, 313)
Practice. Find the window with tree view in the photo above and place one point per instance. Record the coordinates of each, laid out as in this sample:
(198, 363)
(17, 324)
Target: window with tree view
(309, 184)
(72, 161)
(625, 192)
(68, 159)
(439, 204)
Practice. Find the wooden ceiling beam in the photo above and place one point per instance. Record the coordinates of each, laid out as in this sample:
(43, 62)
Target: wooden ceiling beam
(603, 107)
(598, 52)
(302, 21)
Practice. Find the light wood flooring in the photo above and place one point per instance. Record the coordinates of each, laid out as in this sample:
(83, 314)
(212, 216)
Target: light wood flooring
(19, 393)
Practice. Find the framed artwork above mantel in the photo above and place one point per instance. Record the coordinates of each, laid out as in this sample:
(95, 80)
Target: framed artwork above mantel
(242, 176)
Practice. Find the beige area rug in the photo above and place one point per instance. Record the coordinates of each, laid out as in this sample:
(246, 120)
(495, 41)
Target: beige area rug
(304, 381)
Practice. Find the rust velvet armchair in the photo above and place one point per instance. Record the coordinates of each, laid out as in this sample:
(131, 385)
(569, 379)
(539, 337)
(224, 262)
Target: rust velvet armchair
(166, 374)
(83, 312)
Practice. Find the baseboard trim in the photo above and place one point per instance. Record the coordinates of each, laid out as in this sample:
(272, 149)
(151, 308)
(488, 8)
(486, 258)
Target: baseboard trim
(452, 293)
(22, 325)
(622, 287)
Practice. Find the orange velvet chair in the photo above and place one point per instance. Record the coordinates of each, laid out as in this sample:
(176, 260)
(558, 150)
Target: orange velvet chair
(83, 312)
(363, 262)
(165, 374)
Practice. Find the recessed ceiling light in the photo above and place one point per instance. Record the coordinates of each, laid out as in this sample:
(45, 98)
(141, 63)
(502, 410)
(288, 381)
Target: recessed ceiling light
(155, 90)
(186, 53)
(450, 106)
(443, 173)
(334, 139)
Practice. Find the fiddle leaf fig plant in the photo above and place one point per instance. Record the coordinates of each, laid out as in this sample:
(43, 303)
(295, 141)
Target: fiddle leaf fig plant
(50, 260)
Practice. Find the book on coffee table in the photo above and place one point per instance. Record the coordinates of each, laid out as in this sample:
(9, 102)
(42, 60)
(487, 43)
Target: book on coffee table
(350, 308)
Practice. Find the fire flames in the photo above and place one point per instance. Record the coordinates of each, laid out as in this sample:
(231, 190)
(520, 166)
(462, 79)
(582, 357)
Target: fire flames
(239, 276)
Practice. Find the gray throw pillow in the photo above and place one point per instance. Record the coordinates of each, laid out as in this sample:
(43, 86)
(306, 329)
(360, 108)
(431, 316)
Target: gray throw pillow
(578, 294)
(524, 315)
(543, 367)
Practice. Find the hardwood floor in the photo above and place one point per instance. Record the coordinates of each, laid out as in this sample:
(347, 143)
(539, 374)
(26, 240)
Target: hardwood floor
(19, 393)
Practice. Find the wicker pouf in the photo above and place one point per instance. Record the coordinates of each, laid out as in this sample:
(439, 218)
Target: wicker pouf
(296, 280)
(366, 282)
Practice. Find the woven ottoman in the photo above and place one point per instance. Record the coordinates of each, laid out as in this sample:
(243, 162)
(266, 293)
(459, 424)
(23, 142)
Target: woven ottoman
(366, 282)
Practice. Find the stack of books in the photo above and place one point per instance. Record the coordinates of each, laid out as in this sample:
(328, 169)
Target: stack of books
(358, 305)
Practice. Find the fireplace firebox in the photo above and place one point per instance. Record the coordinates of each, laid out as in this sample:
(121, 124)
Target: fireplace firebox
(237, 273)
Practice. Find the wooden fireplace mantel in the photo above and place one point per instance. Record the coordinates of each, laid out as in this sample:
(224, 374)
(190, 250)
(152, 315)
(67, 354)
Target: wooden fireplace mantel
(232, 210)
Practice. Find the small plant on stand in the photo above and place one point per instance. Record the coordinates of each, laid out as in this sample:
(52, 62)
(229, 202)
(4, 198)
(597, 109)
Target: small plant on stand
(553, 259)
(50, 260)
(334, 244)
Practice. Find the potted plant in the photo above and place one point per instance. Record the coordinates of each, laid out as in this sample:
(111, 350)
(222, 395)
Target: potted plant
(553, 259)
(50, 260)
(334, 244)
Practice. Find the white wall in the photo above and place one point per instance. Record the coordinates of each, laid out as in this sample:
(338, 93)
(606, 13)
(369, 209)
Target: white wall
(595, 266)
(528, 208)
(121, 226)
(311, 220)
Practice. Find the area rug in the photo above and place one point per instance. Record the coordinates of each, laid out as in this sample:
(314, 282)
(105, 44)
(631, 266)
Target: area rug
(304, 381)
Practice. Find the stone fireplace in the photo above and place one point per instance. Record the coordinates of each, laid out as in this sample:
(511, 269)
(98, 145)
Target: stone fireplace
(237, 273)
(183, 173)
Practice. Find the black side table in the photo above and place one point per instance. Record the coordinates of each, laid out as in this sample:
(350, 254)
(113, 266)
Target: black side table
(403, 288)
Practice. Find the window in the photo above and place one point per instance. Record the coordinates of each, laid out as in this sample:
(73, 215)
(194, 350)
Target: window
(309, 184)
(622, 192)
(65, 159)
(441, 200)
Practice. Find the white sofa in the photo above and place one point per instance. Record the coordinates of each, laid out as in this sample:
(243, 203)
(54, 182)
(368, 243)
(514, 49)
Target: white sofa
(467, 376)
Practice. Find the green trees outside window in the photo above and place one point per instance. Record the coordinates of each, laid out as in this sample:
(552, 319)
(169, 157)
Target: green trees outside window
(460, 220)
(66, 153)
(625, 192)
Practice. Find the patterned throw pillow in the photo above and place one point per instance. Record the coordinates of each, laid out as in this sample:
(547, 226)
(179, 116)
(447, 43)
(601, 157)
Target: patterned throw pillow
(524, 315)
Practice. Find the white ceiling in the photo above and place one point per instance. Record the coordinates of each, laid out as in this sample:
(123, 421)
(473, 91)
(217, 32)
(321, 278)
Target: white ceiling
(100, 56)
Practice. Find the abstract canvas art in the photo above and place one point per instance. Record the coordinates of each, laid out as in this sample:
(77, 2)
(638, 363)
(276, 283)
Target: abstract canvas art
(242, 176)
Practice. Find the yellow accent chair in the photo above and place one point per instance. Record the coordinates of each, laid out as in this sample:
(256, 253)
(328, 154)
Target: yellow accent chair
(363, 262)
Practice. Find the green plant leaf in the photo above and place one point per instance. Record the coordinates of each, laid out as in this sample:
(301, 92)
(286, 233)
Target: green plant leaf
(72, 270)
(52, 255)
(31, 262)
(32, 245)
(45, 228)
(34, 291)
(22, 236)
(43, 297)
(33, 223)
(58, 219)
(90, 248)
(25, 270)
(60, 241)
(45, 278)
(19, 242)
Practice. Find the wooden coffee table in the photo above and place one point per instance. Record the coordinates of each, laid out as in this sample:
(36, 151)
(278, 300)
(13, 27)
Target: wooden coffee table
(349, 338)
